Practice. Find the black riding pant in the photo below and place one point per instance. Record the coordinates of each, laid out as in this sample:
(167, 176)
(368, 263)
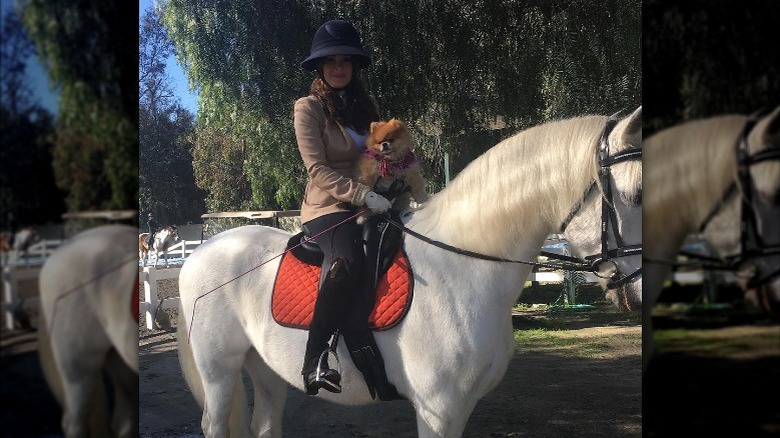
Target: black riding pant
(340, 279)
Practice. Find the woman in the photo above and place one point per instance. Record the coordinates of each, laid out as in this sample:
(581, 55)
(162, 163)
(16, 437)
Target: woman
(153, 226)
(331, 124)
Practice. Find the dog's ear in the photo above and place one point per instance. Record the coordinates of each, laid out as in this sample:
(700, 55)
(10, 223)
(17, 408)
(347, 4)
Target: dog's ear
(397, 124)
(373, 127)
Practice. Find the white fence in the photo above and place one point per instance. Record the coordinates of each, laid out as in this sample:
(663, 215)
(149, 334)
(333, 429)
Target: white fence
(36, 254)
(13, 302)
(151, 304)
(29, 267)
(178, 252)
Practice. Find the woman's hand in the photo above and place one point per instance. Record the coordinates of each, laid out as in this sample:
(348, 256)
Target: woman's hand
(377, 203)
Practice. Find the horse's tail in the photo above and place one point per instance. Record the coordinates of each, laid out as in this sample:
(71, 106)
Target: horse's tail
(239, 416)
(98, 418)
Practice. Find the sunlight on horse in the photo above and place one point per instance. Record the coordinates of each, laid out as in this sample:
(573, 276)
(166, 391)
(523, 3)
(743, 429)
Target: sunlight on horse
(456, 340)
(89, 308)
(690, 169)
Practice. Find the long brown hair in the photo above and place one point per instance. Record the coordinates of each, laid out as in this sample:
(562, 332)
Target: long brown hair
(356, 109)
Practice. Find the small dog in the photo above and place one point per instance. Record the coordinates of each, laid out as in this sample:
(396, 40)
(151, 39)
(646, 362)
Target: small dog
(388, 158)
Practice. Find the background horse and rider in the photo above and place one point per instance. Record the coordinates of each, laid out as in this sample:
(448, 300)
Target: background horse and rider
(14, 247)
(163, 239)
(503, 205)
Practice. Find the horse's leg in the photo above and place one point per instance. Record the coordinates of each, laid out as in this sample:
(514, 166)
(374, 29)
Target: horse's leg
(124, 421)
(219, 349)
(221, 379)
(444, 420)
(84, 392)
(270, 395)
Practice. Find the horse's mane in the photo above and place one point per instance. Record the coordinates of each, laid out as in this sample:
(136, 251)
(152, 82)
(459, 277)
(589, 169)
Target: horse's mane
(527, 183)
(689, 168)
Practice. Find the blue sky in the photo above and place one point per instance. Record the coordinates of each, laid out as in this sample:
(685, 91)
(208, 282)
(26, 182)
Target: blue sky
(37, 76)
(188, 99)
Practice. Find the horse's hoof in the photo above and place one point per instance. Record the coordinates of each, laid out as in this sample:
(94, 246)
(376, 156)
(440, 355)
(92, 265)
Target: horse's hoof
(329, 380)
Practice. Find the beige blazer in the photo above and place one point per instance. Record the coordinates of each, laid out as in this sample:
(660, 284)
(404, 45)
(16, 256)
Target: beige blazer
(329, 154)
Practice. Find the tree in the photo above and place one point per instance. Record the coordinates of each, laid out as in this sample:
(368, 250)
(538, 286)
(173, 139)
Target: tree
(27, 189)
(461, 74)
(15, 92)
(89, 50)
(708, 58)
(167, 182)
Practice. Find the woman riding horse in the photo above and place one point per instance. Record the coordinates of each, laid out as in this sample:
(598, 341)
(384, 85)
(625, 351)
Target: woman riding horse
(331, 124)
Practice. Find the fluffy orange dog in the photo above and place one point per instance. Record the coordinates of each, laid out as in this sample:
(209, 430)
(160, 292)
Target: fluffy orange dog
(388, 157)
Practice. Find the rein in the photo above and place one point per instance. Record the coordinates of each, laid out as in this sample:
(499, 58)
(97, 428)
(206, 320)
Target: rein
(590, 263)
(574, 265)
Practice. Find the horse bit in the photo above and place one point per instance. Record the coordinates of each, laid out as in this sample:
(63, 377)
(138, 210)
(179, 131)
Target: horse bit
(598, 263)
(592, 263)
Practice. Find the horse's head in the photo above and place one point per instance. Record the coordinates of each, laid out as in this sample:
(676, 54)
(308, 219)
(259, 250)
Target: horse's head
(174, 232)
(759, 276)
(607, 228)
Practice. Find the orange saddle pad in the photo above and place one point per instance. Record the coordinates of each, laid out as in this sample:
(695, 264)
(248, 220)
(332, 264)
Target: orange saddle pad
(295, 291)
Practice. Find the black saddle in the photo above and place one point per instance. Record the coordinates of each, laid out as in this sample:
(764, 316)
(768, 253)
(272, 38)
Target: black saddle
(381, 242)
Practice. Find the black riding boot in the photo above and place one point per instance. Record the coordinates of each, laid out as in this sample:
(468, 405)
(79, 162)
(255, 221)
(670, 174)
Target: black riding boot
(328, 313)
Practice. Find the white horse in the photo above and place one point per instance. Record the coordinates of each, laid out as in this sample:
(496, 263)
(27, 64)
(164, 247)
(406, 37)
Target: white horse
(89, 308)
(692, 182)
(163, 240)
(455, 342)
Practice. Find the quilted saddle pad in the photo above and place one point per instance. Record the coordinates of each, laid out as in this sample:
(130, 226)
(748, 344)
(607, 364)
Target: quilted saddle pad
(295, 291)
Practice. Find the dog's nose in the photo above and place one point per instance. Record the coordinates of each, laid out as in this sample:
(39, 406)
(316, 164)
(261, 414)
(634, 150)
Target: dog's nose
(385, 145)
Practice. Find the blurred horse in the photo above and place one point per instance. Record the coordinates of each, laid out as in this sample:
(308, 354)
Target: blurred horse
(163, 240)
(23, 239)
(89, 309)
(718, 176)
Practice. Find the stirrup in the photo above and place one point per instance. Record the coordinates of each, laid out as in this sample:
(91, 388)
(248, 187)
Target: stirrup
(324, 376)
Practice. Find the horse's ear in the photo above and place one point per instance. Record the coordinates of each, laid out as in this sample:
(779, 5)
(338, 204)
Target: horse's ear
(631, 132)
(772, 130)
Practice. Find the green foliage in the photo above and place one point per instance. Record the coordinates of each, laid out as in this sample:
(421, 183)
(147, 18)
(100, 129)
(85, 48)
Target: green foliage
(28, 194)
(708, 58)
(27, 188)
(461, 74)
(89, 50)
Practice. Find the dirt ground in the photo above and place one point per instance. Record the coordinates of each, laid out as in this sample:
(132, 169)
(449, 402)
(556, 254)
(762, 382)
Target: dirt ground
(573, 374)
(586, 386)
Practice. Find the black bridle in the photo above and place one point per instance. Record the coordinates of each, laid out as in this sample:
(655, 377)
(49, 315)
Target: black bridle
(608, 212)
(752, 245)
(590, 263)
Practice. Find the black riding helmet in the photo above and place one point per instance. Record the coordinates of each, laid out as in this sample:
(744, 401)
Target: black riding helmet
(336, 37)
